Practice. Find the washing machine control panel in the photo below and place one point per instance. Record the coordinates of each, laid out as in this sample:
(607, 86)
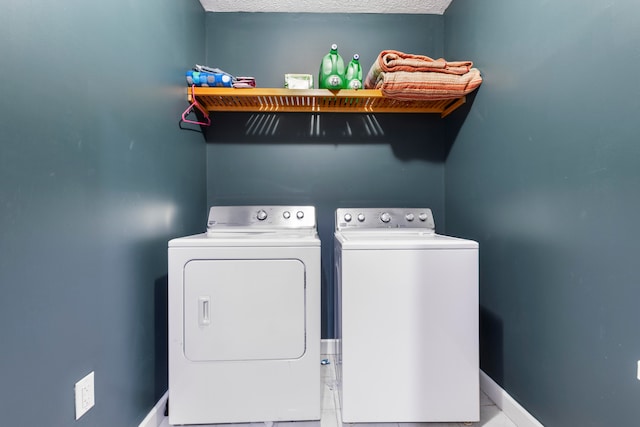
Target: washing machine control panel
(368, 218)
(222, 217)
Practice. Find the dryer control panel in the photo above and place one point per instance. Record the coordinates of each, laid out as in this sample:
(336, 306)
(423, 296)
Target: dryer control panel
(222, 217)
(376, 218)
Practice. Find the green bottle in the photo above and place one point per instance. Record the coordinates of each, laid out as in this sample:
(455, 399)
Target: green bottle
(353, 76)
(331, 70)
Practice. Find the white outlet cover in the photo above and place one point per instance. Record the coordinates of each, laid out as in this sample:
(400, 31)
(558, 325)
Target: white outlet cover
(85, 395)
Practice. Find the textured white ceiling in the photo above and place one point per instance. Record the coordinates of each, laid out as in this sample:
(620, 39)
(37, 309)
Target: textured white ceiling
(435, 7)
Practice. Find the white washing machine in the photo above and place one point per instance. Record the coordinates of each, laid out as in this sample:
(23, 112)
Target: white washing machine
(407, 319)
(244, 318)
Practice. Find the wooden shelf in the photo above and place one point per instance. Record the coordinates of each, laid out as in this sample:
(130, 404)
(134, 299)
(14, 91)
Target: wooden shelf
(314, 101)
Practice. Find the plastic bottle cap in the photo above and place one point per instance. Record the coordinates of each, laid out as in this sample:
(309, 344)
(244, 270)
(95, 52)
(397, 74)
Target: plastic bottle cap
(356, 56)
(334, 46)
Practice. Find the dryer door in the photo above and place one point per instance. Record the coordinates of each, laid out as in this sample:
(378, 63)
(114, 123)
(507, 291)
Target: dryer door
(244, 309)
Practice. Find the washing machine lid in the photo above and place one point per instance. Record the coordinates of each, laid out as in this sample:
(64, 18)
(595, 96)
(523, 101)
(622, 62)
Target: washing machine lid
(395, 239)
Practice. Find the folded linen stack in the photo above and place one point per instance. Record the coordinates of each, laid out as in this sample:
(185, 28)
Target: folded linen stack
(407, 77)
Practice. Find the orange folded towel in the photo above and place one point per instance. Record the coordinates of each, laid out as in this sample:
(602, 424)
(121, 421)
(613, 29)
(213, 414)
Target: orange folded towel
(393, 60)
(406, 76)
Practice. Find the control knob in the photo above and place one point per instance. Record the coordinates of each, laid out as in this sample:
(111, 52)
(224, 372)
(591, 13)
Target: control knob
(347, 217)
(361, 217)
(300, 214)
(286, 214)
(423, 216)
(385, 217)
(409, 217)
(262, 215)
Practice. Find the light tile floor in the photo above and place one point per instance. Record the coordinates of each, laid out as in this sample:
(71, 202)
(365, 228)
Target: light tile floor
(490, 414)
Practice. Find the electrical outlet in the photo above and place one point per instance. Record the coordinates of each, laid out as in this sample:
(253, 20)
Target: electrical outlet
(85, 397)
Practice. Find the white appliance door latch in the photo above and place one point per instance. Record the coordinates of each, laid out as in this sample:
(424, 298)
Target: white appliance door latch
(204, 311)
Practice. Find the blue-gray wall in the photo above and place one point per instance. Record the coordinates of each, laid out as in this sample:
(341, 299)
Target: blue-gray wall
(348, 160)
(95, 177)
(545, 174)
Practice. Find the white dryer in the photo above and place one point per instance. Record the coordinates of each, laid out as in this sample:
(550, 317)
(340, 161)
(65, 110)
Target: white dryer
(407, 319)
(244, 318)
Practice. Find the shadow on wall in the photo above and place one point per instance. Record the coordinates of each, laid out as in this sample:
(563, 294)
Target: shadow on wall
(456, 120)
(491, 345)
(411, 136)
(349, 128)
(161, 308)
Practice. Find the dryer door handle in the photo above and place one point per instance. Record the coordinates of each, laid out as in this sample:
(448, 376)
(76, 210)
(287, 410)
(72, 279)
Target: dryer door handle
(204, 311)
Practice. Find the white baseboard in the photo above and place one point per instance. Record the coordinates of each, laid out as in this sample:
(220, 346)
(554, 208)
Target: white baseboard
(328, 346)
(155, 417)
(506, 403)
